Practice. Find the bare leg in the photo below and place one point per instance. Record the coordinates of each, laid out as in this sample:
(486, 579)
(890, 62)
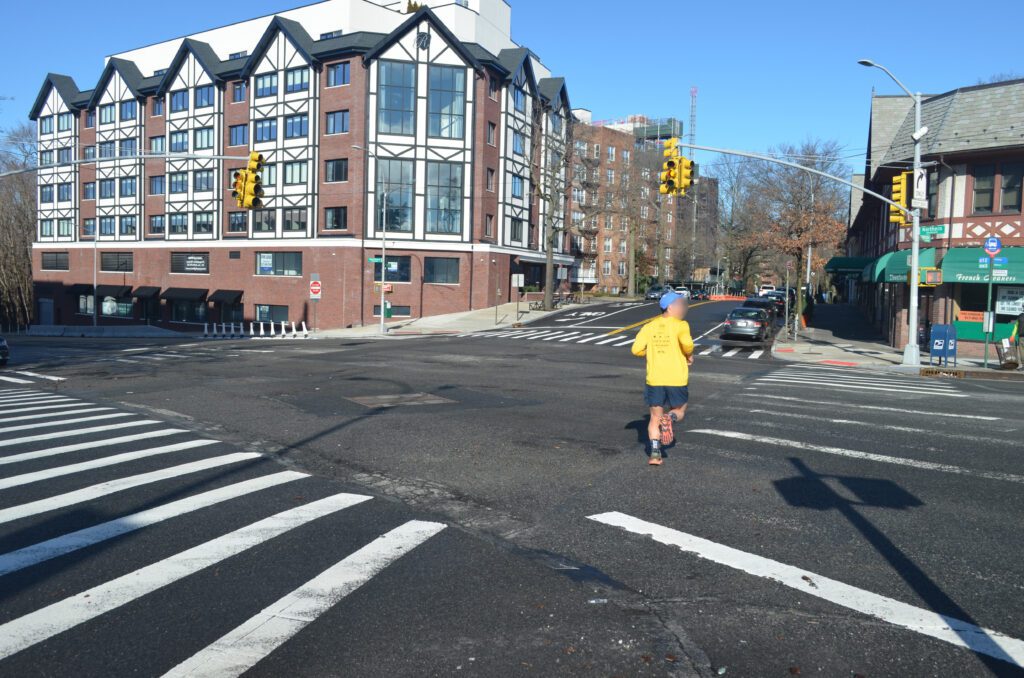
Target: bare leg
(654, 426)
(680, 412)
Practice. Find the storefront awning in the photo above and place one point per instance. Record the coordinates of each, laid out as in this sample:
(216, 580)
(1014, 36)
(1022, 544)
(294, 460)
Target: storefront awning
(847, 264)
(81, 288)
(146, 292)
(893, 267)
(184, 294)
(116, 291)
(873, 272)
(970, 265)
(226, 296)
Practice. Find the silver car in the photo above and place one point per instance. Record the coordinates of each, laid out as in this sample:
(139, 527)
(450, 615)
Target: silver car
(747, 323)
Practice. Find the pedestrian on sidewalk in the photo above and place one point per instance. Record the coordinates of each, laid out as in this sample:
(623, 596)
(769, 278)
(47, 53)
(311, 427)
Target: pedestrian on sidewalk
(1018, 340)
(668, 347)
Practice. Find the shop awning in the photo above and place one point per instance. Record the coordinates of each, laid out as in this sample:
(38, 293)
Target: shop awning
(116, 291)
(146, 292)
(79, 289)
(893, 267)
(226, 296)
(847, 264)
(184, 294)
(873, 272)
(970, 265)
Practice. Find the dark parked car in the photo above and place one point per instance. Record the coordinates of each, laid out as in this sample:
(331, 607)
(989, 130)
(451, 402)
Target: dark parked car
(749, 323)
(764, 303)
(779, 298)
(654, 292)
(5, 351)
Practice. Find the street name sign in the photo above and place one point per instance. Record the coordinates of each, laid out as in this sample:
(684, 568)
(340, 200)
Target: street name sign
(374, 260)
(933, 230)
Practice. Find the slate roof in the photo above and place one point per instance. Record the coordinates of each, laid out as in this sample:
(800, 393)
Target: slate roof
(512, 59)
(64, 85)
(550, 88)
(887, 114)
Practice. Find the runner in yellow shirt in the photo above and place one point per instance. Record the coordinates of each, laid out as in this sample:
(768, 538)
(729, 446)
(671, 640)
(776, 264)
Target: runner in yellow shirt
(668, 347)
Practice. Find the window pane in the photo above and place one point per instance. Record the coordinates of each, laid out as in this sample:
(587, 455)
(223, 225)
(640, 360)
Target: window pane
(399, 269)
(1013, 177)
(444, 198)
(397, 98)
(441, 270)
(984, 188)
(395, 180)
(446, 102)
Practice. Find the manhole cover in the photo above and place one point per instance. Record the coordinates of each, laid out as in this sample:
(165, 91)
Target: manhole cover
(401, 400)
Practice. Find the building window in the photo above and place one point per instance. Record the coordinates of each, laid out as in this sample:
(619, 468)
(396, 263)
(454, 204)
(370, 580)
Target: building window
(179, 101)
(204, 96)
(117, 262)
(294, 219)
(156, 224)
(269, 313)
(492, 88)
(339, 74)
(492, 133)
(296, 79)
(490, 179)
(46, 124)
(517, 230)
(337, 122)
(63, 192)
(519, 99)
(446, 102)
(441, 270)
(266, 85)
(622, 268)
(279, 263)
(157, 144)
(517, 186)
(105, 149)
(64, 227)
(396, 178)
(622, 247)
(399, 269)
(129, 109)
(933, 196)
(107, 113)
(264, 221)
(64, 154)
(46, 228)
(128, 148)
(89, 190)
(984, 188)
(336, 219)
(85, 305)
(204, 138)
(444, 197)
(397, 98)
(489, 225)
(238, 92)
(295, 173)
(183, 311)
(190, 262)
(128, 225)
(396, 311)
(158, 107)
(269, 176)
(556, 122)
(179, 223)
(45, 158)
(178, 182)
(238, 222)
(128, 187)
(266, 130)
(89, 227)
(607, 244)
(106, 188)
(606, 268)
(90, 119)
(179, 142)
(336, 170)
(518, 143)
(202, 181)
(65, 121)
(202, 223)
(239, 135)
(1012, 179)
(55, 261)
(106, 225)
(296, 126)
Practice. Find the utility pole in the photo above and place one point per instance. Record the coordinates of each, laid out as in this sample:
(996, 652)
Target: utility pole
(696, 193)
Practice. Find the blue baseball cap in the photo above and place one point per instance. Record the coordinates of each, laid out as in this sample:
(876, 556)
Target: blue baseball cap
(670, 298)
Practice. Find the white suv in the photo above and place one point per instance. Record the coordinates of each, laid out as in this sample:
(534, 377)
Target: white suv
(765, 289)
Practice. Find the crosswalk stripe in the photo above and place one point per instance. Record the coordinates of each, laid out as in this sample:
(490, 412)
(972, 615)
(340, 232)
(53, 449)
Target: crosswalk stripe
(544, 334)
(802, 403)
(94, 492)
(102, 462)
(18, 397)
(577, 338)
(569, 335)
(627, 342)
(42, 624)
(126, 360)
(241, 648)
(593, 338)
(38, 408)
(731, 353)
(149, 357)
(919, 620)
(63, 422)
(709, 351)
(857, 387)
(39, 376)
(92, 444)
(73, 541)
(170, 355)
(59, 413)
(755, 355)
(34, 400)
(81, 431)
(15, 380)
(13, 391)
(608, 341)
(862, 377)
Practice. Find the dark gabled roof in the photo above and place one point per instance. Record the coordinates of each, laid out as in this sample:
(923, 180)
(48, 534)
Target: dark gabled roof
(64, 85)
(516, 59)
(293, 30)
(484, 56)
(231, 68)
(360, 42)
(423, 14)
(83, 99)
(552, 88)
(130, 73)
(149, 85)
(203, 53)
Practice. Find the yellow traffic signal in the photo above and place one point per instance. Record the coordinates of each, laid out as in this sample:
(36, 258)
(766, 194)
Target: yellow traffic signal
(671, 147)
(238, 186)
(247, 184)
(256, 162)
(668, 178)
(900, 182)
(253, 191)
(684, 174)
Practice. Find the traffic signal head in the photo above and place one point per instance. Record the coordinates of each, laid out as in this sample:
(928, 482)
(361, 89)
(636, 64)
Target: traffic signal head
(899, 196)
(253, 191)
(238, 186)
(669, 177)
(684, 174)
(671, 147)
(256, 162)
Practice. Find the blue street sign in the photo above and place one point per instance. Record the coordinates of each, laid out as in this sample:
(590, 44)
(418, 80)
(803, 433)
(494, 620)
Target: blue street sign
(993, 246)
(1000, 261)
(983, 260)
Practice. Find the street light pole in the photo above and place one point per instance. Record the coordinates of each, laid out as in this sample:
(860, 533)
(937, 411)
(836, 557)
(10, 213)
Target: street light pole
(383, 239)
(911, 351)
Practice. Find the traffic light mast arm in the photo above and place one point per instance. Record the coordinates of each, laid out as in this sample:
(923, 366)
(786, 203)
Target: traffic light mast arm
(113, 158)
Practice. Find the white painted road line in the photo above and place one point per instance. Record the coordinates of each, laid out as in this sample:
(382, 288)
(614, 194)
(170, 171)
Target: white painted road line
(593, 338)
(545, 334)
(62, 422)
(755, 355)
(59, 413)
(125, 360)
(857, 387)
(51, 620)
(888, 427)
(560, 337)
(916, 619)
(73, 541)
(81, 431)
(170, 355)
(832, 377)
(35, 395)
(39, 376)
(92, 444)
(868, 456)
(133, 350)
(607, 341)
(34, 400)
(15, 380)
(731, 353)
(709, 351)
(577, 338)
(241, 648)
(627, 342)
(709, 331)
(802, 402)
(118, 485)
(39, 408)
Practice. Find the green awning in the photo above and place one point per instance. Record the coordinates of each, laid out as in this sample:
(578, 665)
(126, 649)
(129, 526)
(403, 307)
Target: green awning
(892, 267)
(873, 272)
(847, 264)
(970, 265)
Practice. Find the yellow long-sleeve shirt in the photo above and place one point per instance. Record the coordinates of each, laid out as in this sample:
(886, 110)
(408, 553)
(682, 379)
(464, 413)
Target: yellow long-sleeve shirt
(667, 344)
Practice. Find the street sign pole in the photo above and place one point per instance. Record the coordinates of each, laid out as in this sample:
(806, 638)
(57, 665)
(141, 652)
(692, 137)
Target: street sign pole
(993, 246)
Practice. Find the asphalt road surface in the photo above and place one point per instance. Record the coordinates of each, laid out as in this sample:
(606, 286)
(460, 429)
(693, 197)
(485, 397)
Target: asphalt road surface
(482, 506)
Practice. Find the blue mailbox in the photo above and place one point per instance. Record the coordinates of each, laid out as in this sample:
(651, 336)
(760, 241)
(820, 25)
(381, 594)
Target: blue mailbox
(943, 344)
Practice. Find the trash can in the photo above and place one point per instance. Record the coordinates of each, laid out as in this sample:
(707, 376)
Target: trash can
(1006, 352)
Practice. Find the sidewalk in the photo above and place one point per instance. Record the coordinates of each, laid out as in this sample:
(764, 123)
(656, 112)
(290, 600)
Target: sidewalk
(841, 335)
(451, 323)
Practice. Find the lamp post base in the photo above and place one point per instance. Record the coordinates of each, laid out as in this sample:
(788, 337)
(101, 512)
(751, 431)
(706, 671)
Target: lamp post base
(912, 355)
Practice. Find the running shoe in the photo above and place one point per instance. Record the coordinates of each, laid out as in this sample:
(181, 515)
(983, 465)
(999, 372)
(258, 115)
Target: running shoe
(667, 433)
(655, 459)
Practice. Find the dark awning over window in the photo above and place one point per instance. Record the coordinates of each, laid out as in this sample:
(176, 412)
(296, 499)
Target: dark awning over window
(847, 264)
(226, 296)
(184, 294)
(81, 288)
(146, 292)
(116, 291)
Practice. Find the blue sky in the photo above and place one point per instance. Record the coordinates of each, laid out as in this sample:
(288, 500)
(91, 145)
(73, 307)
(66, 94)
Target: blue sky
(767, 72)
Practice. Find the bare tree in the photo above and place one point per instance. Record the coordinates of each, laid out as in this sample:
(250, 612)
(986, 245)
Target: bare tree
(550, 170)
(17, 223)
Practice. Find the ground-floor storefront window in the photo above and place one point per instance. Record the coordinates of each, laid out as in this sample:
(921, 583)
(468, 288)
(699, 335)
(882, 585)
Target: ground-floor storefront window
(188, 311)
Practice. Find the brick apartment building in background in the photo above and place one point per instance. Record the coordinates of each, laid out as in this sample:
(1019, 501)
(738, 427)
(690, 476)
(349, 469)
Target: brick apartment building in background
(454, 118)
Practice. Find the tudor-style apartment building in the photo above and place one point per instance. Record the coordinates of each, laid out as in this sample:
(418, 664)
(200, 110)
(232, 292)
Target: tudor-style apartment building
(433, 125)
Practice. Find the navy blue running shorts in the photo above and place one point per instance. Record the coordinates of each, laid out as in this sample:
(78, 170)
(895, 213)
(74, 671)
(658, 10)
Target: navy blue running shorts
(668, 397)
